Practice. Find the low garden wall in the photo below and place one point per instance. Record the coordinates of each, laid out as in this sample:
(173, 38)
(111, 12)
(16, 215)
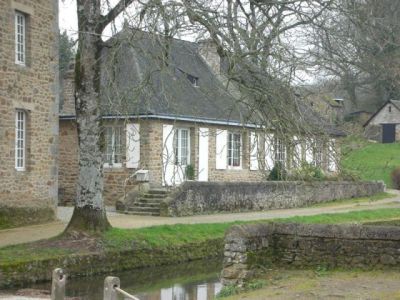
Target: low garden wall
(249, 247)
(21, 216)
(210, 197)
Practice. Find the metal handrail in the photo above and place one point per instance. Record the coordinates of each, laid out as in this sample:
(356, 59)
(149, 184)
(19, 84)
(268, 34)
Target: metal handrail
(126, 294)
(111, 287)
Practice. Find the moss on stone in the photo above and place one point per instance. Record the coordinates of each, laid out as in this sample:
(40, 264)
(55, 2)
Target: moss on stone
(20, 216)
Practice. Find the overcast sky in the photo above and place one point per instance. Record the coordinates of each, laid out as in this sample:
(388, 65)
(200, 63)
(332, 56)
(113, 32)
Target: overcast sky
(67, 16)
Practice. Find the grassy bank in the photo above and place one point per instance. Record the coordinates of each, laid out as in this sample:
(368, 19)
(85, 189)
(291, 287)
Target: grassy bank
(360, 200)
(372, 161)
(159, 237)
(121, 249)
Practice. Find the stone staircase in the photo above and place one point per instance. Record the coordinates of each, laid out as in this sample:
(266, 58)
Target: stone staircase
(148, 204)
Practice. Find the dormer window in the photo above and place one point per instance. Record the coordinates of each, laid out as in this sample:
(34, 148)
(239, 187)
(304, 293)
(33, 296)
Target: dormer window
(193, 80)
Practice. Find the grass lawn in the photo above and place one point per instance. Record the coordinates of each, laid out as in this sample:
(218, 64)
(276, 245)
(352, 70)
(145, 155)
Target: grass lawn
(118, 239)
(374, 161)
(360, 200)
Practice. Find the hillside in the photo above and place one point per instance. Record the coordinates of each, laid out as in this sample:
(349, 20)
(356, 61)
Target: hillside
(372, 161)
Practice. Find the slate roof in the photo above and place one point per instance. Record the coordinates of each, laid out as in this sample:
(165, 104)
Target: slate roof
(139, 78)
(396, 103)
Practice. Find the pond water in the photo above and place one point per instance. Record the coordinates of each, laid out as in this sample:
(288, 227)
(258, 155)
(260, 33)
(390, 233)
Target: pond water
(198, 280)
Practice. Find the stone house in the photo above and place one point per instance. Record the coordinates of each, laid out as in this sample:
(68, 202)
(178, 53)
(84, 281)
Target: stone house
(28, 110)
(384, 125)
(169, 122)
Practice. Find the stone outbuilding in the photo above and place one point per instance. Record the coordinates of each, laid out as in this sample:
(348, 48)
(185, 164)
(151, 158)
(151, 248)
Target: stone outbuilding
(168, 117)
(384, 125)
(28, 111)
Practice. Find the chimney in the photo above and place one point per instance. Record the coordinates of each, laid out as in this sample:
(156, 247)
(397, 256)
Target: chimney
(208, 51)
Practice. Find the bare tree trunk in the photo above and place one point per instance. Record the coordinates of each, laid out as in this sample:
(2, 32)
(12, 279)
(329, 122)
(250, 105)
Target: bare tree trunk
(89, 213)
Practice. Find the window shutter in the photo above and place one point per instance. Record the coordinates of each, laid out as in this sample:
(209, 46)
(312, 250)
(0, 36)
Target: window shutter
(221, 149)
(332, 157)
(309, 151)
(203, 154)
(168, 155)
(253, 151)
(297, 152)
(132, 146)
(269, 151)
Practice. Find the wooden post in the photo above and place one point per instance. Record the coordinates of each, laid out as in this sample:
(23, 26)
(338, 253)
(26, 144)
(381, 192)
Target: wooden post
(58, 284)
(110, 283)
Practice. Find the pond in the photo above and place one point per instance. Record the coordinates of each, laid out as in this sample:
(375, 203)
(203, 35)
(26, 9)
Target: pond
(198, 280)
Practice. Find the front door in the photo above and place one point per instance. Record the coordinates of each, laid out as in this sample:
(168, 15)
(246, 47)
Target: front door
(388, 133)
(176, 154)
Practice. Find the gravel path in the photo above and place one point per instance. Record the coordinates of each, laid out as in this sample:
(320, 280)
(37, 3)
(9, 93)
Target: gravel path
(36, 232)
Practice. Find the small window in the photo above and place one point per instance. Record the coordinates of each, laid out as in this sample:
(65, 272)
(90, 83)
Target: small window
(20, 38)
(390, 108)
(279, 151)
(181, 146)
(20, 140)
(318, 154)
(234, 149)
(114, 146)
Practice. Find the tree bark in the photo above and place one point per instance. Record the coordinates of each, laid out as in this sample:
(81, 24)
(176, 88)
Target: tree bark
(89, 213)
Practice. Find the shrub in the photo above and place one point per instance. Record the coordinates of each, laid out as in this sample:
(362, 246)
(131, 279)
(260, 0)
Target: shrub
(348, 175)
(189, 172)
(278, 172)
(395, 176)
(308, 172)
(227, 291)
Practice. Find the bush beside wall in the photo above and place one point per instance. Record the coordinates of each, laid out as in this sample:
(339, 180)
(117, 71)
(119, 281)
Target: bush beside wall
(193, 198)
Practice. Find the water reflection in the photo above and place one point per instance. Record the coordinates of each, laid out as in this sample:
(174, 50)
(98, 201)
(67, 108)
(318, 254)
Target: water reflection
(198, 280)
(191, 291)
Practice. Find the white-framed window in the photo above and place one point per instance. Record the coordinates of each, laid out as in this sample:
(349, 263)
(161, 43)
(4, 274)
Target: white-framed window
(20, 38)
(279, 151)
(234, 150)
(318, 154)
(114, 146)
(20, 140)
(182, 146)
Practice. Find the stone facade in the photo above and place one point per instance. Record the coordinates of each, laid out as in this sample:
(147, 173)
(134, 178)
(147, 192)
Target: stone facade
(248, 247)
(31, 88)
(151, 148)
(212, 197)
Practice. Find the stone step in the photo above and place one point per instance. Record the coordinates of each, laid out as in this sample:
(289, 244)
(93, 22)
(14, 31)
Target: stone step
(144, 200)
(146, 204)
(154, 196)
(143, 213)
(158, 192)
(144, 208)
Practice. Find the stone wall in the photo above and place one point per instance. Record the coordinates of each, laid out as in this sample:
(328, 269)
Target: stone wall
(248, 247)
(84, 265)
(32, 88)
(116, 180)
(211, 197)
